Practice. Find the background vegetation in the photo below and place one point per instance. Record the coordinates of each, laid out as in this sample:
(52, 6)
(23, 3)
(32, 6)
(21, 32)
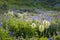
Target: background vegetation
(30, 4)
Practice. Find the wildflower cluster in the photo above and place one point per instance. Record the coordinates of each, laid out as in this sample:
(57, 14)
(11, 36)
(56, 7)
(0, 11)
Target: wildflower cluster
(16, 27)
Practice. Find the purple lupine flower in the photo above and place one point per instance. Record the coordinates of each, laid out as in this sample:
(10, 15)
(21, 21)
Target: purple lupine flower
(44, 15)
(50, 39)
(38, 16)
(11, 33)
(1, 24)
(49, 18)
(58, 16)
(35, 17)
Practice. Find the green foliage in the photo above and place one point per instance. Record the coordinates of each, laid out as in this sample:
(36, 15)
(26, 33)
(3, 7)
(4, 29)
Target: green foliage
(22, 28)
(58, 24)
(4, 35)
(18, 4)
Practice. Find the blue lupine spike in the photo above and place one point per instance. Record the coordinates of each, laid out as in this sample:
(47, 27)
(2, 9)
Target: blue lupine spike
(49, 18)
(1, 24)
(11, 33)
(50, 39)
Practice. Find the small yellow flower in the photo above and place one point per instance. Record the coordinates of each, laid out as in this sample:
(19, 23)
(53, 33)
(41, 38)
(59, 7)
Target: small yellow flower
(46, 23)
(33, 25)
(41, 28)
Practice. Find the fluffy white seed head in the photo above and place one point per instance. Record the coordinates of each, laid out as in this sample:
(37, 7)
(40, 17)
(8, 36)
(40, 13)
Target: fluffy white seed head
(46, 23)
(33, 25)
(41, 28)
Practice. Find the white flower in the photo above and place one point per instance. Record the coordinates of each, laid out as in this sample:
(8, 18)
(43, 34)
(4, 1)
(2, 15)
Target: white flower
(25, 13)
(41, 28)
(10, 13)
(19, 14)
(46, 23)
(33, 25)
